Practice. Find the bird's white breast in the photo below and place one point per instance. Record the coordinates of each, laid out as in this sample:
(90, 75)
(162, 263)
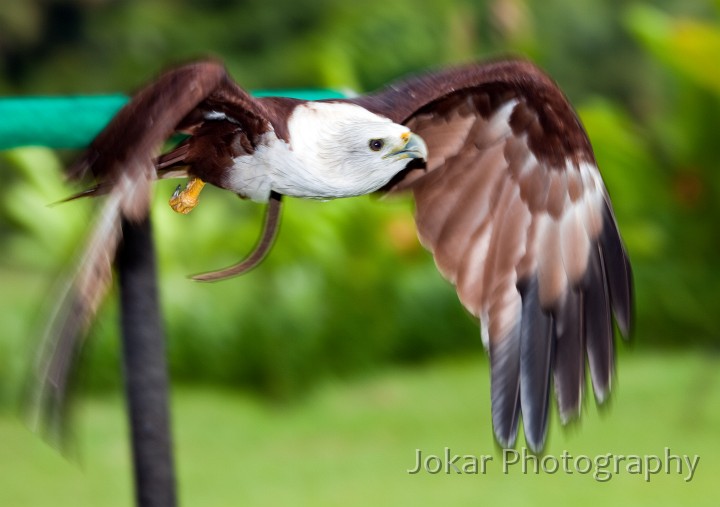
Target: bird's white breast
(275, 165)
(249, 175)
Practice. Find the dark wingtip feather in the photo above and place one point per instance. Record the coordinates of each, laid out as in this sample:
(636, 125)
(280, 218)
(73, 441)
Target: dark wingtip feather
(505, 386)
(569, 362)
(598, 325)
(536, 354)
(618, 272)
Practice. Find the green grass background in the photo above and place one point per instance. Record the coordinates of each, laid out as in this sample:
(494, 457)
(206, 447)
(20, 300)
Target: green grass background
(351, 443)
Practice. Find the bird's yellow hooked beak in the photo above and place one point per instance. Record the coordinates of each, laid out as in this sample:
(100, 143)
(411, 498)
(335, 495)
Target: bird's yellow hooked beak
(410, 146)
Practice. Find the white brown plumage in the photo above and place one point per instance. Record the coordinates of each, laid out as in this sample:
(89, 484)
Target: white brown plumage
(508, 199)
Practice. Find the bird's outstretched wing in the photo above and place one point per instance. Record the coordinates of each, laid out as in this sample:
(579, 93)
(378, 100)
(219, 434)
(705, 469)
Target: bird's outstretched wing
(122, 162)
(178, 101)
(515, 212)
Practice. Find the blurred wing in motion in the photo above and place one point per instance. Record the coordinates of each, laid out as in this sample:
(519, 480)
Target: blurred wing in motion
(60, 344)
(123, 161)
(515, 212)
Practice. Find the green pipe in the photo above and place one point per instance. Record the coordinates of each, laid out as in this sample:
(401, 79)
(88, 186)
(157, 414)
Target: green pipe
(72, 122)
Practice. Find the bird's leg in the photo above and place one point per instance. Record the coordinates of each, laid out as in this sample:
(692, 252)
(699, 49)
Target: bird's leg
(183, 201)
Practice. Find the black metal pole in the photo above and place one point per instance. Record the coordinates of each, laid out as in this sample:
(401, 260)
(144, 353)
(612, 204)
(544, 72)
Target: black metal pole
(145, 367)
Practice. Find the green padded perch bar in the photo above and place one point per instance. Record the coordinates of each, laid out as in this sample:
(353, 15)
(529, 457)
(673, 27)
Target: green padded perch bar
(71, 122)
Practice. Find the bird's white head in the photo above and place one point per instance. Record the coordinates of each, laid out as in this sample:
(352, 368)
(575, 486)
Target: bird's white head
(346, 150)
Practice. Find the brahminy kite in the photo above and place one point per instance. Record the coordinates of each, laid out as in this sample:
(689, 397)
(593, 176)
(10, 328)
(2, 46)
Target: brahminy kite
(508, 199)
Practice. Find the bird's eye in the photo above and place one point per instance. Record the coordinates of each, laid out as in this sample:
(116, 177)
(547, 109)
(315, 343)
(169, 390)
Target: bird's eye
(376, 144)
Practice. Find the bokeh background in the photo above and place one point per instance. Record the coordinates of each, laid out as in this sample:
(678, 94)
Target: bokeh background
(313, 379)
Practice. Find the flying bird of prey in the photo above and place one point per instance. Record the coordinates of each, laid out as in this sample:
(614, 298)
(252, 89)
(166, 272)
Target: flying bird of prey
(508, 198)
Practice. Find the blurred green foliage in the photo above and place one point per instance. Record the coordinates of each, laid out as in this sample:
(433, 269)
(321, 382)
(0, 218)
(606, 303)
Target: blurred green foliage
(347, 286)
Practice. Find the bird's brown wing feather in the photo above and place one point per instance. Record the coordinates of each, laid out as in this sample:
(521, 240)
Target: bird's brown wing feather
(123, 161)
(176, 102)
(514, 210)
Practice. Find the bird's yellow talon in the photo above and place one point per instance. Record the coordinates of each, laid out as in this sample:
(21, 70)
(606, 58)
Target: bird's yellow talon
(184, 201)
